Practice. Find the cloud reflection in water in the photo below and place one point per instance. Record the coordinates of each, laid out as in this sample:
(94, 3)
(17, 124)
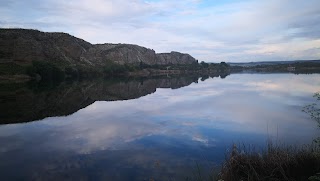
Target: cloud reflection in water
(192, 122)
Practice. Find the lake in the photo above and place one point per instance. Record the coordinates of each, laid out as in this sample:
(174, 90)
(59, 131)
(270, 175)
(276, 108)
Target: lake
(161, 128)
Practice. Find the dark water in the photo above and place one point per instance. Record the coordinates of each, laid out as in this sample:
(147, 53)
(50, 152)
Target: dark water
(142, 129)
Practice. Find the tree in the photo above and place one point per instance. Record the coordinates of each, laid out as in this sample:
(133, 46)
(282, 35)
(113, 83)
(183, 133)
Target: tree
(224, 64)
(314, 111)
(204, 64)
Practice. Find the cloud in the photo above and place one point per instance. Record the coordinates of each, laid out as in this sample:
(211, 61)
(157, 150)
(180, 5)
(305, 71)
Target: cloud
(211, 31)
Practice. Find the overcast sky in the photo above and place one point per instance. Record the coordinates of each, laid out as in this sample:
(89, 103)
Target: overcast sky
(209, 30)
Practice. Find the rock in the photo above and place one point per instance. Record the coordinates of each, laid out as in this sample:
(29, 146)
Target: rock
(175, 58)
(25, 46)
(121, 54)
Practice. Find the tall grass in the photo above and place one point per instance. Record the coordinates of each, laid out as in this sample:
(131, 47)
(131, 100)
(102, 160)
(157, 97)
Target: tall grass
(275, 163)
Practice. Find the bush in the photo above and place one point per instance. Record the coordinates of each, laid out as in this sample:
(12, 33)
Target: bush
(117, 69)
(204, 64)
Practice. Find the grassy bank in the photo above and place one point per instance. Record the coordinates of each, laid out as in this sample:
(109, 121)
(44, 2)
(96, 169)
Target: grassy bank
(275, 163)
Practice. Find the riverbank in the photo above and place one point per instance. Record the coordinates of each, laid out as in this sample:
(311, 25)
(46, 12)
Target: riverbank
(40, 70)
(275, 163)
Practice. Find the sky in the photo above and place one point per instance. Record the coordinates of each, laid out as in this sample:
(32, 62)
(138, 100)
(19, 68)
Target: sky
(209, 30)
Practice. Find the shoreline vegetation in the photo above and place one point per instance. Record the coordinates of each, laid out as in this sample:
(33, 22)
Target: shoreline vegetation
(275, 163)
(41, 70)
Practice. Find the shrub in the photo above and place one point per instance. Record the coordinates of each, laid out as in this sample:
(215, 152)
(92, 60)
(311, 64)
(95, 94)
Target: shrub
(116, 69)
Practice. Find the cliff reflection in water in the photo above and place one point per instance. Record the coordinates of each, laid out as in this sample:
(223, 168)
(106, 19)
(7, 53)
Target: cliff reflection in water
(24, 103)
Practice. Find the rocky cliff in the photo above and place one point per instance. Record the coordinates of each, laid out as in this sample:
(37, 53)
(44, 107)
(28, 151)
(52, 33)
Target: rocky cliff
(174, 58)
(28, 45)
(25, 46)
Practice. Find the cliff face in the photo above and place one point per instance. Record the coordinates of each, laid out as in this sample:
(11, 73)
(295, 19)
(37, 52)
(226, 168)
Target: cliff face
(175, 58)
(28, 45)
(121, 54)
(25, 46)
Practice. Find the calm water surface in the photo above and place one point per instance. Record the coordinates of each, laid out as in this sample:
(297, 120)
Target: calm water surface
(162, 135)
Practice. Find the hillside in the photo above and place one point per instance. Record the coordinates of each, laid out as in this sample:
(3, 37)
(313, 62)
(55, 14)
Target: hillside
(24, 45)
(21, 47)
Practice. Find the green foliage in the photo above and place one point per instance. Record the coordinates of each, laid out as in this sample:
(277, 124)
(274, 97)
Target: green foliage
(204, 64)
(46, 70)
(112, 68)
(223, 65)
(115, 69)
(314, 109)
(130, 68)
(300, 67)
(143, 66)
